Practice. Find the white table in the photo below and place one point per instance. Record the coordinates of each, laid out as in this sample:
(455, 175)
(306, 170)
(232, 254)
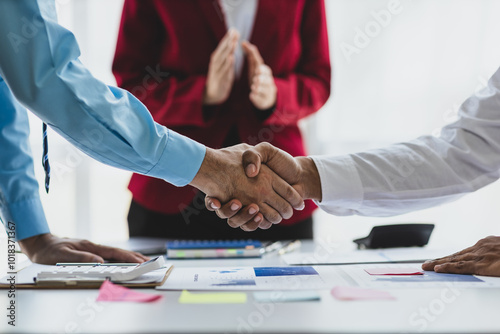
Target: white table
(429, 310)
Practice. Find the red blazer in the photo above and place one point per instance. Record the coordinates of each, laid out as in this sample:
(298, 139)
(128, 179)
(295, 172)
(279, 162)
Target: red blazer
(162, 57)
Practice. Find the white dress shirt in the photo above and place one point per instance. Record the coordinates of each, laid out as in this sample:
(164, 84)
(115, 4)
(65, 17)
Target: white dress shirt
(421, 173)
(241, 16)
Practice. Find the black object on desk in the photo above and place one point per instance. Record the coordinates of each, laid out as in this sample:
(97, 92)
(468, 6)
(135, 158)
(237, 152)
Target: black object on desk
(401, 235)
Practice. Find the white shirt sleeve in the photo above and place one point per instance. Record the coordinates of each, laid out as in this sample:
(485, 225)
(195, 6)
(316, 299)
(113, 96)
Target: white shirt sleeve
(422, 173)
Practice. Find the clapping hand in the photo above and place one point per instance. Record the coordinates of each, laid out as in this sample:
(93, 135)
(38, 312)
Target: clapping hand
(220, 77)
(263, 90)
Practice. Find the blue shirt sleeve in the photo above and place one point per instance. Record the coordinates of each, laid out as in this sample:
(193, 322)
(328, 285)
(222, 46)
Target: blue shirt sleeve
(39, 63)
(19, 197)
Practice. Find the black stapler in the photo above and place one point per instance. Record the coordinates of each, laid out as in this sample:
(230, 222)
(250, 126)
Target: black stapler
(401, 235)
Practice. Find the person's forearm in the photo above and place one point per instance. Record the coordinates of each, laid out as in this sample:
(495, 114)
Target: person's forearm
(20, 208)
(107, 123)
(421, 173)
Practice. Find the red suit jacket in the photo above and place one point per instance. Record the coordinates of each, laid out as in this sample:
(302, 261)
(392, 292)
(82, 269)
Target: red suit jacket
(162, 57)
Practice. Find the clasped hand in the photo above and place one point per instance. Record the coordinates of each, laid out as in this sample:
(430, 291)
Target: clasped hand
(268, 197)
(300, 174)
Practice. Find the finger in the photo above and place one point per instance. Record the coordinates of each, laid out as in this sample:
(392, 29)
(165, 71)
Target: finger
(110, 253)
(245, 215)
(212, 204)
(142, 256)
(250, 226)
(74, 255)
(457, 257)
(279, 204)
(251, 159)
(229, 209)
(289, 195)
(217, 56)
(270, 213)
(265, 225)
(253, 53)
(223, 63)
(245, 45)
(460, 267)
(261, 90)
(263, 69)
(227, 68)
(226, 47)
(262, 79)
(281, 162)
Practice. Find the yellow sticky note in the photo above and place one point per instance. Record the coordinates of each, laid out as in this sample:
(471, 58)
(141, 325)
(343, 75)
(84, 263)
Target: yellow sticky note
(213, 297)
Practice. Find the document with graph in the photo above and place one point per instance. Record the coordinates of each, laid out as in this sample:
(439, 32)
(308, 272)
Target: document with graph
(245, 278)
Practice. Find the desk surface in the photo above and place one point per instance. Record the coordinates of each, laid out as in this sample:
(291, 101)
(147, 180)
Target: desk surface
(415, 310)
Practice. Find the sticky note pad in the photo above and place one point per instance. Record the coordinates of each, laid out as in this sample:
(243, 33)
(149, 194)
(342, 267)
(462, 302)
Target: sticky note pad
(394, 271)
(212, 297)
(356, 293)
(109, 292)
(285, 296)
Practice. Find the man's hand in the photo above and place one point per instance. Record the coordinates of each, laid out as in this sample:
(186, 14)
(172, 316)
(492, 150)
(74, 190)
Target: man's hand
(263, 90)
(222, 176)
(49, 249)
(300, 172)
(220, 75)
(481, 259)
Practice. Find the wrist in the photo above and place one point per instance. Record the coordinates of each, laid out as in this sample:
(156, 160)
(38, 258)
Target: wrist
(310, 182)
(32, 245)
(211, 170)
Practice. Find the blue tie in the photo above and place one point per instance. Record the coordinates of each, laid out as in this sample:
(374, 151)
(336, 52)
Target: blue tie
(45, 159)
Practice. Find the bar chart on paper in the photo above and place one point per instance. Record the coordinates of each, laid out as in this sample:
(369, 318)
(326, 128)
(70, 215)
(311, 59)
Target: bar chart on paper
(245, 278)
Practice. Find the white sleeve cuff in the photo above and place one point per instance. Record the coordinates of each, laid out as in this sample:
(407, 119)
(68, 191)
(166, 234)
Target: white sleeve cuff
(342, 191)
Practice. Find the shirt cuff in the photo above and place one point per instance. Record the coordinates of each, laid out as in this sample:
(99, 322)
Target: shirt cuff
(28, 217)
(341, 188)
(180, 161)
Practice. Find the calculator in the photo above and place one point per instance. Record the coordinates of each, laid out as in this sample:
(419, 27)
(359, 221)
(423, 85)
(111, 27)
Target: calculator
(100, 271)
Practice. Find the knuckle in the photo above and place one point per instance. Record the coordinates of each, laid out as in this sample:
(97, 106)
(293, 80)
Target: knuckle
(232, 223)
(275, 218)
(85, 243)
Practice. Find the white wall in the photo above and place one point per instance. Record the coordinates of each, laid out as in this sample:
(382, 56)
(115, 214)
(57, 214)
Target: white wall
(409, 80)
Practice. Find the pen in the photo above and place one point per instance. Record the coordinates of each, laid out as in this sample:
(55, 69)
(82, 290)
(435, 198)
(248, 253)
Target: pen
(277, 245)
(290, 247)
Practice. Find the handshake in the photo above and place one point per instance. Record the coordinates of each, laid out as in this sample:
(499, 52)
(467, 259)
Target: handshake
(256, 187)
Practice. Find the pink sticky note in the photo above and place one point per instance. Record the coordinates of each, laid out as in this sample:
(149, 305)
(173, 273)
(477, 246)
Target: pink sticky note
(356, 293)
(394, 271)
(110, 292)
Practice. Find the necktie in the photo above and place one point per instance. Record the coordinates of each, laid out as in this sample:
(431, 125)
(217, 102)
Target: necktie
(45, 158)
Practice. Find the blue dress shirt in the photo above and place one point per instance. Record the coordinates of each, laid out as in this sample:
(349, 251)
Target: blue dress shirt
(40, 70)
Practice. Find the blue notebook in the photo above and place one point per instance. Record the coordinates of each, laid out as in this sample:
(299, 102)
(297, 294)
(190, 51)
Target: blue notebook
(192, 249)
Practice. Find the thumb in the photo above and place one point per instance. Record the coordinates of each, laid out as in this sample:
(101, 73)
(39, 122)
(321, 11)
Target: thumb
(252, 160)
(281, 162)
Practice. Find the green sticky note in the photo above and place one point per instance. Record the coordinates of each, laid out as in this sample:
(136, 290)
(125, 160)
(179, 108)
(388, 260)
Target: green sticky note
(212, 297)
